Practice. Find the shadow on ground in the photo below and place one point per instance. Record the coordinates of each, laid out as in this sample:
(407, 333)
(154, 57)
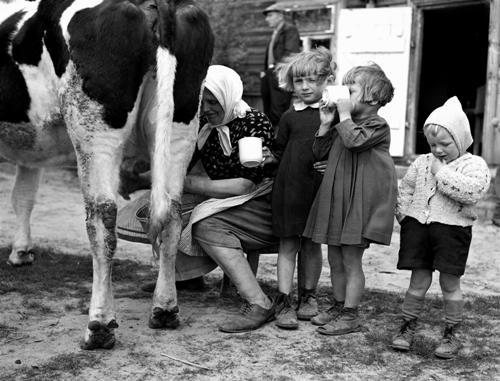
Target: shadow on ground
(45, 307)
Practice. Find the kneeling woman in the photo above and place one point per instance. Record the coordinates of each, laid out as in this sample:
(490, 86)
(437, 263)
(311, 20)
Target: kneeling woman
(245, 222)
(225, 236)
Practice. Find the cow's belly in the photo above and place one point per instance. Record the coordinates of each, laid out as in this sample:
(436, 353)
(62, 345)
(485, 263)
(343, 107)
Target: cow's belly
(47, 145)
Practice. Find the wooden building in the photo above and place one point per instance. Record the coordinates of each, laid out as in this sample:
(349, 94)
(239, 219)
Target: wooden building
(431, 50)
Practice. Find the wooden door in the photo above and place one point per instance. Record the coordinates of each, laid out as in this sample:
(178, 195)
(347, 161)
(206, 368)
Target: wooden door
(491, 124)
(380, 35)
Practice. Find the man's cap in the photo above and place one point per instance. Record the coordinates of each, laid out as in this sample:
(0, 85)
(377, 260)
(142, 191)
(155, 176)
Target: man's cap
(277, 7)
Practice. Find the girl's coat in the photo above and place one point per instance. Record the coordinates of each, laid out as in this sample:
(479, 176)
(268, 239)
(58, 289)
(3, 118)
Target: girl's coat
(356, 200)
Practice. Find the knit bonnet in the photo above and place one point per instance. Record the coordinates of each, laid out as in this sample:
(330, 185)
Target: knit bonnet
(451, 117)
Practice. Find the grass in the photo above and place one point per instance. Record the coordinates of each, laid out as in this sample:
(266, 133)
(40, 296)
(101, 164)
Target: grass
(36, 307)
(371, 349)
(57, 275)
(60, 283)
(80, 305)
(6, 331)
(58, 367)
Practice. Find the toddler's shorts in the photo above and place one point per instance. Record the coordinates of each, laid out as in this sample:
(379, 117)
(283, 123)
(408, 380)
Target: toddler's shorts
(434, 246)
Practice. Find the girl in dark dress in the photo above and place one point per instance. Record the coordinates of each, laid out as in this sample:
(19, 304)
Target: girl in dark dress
(356, 201)
(307, 74)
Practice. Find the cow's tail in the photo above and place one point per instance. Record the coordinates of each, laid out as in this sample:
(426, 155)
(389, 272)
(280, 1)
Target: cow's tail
(166, 62)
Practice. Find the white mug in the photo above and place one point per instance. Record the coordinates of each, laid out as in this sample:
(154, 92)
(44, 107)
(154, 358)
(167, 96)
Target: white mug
(250, 150)
(332, 94)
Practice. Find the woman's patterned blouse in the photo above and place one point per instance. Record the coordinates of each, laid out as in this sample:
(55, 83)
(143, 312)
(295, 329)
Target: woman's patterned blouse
(218, 166)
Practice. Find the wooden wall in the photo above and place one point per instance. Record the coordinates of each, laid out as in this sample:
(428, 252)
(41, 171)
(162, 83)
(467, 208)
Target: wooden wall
(256, 34)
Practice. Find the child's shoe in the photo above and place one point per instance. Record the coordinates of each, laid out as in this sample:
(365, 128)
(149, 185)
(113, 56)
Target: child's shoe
(327, 316)
(347, 322)
(308, 305)
(286, 317)
(402, 341)
(450, 345)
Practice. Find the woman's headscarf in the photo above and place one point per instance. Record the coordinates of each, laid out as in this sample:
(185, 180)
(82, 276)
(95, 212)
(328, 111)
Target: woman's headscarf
(225, 84)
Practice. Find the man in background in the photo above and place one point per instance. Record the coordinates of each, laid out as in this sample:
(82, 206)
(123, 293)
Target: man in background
(284, 41)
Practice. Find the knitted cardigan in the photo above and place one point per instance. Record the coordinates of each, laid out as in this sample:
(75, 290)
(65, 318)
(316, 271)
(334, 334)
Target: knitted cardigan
(449, 196)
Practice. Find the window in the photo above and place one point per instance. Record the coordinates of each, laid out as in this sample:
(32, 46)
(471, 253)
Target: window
(315, 20)
(318, 20)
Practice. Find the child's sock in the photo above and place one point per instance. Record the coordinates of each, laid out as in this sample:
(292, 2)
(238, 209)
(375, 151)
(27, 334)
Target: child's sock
(453, 311)
(412, 306)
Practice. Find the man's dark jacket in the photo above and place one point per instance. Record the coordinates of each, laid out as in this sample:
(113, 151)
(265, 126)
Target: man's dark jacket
(287, 42)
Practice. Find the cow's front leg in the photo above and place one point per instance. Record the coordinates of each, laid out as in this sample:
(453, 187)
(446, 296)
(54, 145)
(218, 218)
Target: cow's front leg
(23, 200)
(165, 313)
(169, 174)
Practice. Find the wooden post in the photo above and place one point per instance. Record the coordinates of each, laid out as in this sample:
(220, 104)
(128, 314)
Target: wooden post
(491, 125)
(342, 4)
(414, 82)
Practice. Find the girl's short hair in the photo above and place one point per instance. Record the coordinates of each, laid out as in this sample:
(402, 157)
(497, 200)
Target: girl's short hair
(313, 62)
(374, 83)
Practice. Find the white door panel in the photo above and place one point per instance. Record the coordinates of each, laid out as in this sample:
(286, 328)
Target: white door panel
(380, 35)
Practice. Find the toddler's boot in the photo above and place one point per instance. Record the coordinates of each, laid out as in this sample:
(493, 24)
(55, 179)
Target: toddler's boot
(450, 345)
(403, 340)
(412, 306)
(330, 314)
(286, 317)
(308, 305)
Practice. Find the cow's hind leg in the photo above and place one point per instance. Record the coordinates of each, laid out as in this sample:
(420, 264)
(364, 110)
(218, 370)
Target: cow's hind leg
(101, 218)
(23, 200)
(99, 150)
(99, 177)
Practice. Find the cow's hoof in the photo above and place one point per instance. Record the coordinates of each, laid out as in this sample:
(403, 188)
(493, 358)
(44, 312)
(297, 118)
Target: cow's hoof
(21, 258)
(100, 335)
(161, 318)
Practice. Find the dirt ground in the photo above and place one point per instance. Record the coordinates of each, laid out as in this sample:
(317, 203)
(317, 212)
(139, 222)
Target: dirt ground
(40, 337)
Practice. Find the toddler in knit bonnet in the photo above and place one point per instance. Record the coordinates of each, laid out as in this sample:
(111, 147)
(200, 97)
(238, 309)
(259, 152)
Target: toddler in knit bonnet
(452, 118)
(436, 211)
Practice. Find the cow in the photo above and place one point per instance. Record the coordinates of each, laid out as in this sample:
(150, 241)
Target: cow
(72, 75)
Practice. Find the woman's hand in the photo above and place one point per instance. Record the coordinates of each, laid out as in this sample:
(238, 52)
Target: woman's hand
(267, 156)
(320, 166)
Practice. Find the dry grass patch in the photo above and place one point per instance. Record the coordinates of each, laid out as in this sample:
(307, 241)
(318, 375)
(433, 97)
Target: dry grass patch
(42, 322)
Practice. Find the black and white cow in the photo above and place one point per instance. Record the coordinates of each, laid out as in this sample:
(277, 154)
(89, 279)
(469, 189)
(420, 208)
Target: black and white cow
(72, 74)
